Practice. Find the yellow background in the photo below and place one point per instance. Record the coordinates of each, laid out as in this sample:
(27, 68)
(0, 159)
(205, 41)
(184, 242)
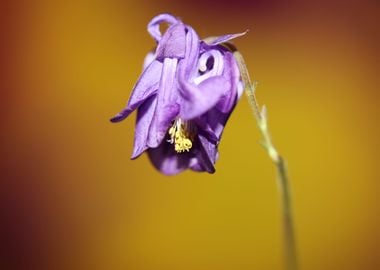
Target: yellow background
(70, 197)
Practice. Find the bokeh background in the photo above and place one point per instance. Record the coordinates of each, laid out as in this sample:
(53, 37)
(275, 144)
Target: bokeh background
(70, 197)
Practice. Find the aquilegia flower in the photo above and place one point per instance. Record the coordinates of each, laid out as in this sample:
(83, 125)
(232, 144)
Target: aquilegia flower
(183, 98)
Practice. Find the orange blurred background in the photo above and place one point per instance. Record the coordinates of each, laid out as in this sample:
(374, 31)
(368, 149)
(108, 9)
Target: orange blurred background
(70, 197)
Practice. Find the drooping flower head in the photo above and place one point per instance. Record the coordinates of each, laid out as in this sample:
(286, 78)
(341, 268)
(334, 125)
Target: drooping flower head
(184, 97)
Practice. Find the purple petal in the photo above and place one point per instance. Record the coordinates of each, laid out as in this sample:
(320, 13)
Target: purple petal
(189, 63)
(205, 129)
(145, 87)
(221, 39)
(210, 152)
(144, 118)
(231, 72)
(199, 99)
(167, 106)
(161, 123)
(217, 60)
(173, 43)
(216, 120)
(168, 161)
(240, 88)
(149, 58)
(154, 25)
(200, 167)
(205, 156)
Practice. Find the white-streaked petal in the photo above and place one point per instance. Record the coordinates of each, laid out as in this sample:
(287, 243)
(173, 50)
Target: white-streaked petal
(216, 70)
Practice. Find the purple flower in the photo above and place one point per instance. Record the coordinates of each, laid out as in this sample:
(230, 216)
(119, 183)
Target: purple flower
(183, 98)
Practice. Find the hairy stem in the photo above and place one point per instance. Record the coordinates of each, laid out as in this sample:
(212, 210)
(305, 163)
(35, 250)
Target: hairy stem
(282, 176)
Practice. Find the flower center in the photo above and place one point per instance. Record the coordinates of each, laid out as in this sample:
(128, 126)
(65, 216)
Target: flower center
(180, 135)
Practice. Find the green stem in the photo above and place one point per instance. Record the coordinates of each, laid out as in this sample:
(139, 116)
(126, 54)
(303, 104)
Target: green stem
(283, 180)
(289, 237)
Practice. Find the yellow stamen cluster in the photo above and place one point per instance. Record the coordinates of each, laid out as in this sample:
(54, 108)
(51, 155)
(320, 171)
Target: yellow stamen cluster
(179, 135)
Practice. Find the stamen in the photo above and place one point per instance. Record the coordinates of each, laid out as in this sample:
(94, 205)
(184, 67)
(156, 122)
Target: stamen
(180, 135)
